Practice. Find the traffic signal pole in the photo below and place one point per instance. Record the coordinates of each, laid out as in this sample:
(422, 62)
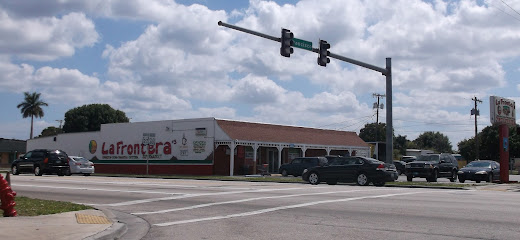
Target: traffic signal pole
(384, 71)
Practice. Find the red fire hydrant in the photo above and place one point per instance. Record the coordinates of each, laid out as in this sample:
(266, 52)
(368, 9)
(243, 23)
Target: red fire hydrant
(7, 198)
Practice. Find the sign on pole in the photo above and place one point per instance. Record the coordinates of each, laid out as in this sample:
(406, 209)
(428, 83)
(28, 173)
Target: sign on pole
(299, 43)
(502, 111)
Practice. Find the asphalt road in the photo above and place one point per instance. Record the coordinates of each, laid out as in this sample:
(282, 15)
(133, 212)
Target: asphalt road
(197, 209)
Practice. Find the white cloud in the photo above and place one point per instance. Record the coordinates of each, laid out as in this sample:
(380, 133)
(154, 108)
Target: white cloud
(45, 38)
(184, 65)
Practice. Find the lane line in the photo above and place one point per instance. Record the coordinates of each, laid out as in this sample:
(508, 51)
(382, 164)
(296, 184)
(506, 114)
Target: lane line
(248, 200)
(145, 184)
(267, 210)
(95, 189)
(190, 195)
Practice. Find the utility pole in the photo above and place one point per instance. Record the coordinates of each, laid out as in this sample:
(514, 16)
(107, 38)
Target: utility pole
(377, 106)
(60, 121)
(476, 112)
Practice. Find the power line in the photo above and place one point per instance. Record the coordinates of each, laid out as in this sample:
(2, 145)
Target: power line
(510, 7)
(506, 12)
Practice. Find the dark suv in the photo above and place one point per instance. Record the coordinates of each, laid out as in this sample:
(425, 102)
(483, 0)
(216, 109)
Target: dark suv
(433, 166)
(40, 161)
(299, 164)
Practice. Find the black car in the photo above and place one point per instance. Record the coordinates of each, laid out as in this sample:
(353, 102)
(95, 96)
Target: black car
(42, 161)
(400, 166)
(361, 170)
(299, 164)
(481, 170)
(433, 166)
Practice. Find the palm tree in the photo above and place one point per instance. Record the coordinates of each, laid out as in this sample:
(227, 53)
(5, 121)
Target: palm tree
(31, 106)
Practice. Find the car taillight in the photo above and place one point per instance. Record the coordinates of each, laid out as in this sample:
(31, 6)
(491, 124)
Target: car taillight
(46, 160)
(78, 163)
(380, 167)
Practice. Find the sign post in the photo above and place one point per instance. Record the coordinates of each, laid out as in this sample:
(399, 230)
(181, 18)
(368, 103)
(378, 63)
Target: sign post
(503, 113)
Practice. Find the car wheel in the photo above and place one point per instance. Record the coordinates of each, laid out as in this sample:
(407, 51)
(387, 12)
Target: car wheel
(60, 173)
(453, 176)
(462, 180)
(68, 172)
(284, 173)
(490, 178)
(409, 178)
(362, 179)
(37, 171)
(14, 170)
(332, 182)
(399, 172)
(314, 178)
(379, 184)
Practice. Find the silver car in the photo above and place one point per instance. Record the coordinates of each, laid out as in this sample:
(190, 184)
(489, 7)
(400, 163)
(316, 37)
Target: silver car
(80, 165)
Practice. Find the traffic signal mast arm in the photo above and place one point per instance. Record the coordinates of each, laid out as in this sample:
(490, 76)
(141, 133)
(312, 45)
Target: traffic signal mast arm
(316, 50)
(324, 60)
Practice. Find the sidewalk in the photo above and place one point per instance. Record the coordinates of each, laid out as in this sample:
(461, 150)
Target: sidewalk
(85, 224)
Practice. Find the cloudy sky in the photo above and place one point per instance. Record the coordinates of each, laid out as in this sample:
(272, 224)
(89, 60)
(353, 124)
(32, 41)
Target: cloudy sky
(166, 59)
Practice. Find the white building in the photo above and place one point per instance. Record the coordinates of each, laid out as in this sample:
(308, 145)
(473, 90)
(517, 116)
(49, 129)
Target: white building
(200, 146)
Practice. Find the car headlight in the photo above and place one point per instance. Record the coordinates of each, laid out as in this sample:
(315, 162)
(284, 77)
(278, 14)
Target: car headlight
(460, 172)
(428, 166)
(481, 172)
(305, 170)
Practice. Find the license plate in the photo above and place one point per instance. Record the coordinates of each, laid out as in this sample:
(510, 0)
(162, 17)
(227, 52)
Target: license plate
(58, 161)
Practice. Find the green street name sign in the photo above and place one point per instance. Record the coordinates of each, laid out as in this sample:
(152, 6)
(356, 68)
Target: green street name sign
(302, 44)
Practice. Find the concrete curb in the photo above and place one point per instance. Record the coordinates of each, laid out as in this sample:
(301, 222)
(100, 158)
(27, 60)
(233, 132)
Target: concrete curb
(115, 231)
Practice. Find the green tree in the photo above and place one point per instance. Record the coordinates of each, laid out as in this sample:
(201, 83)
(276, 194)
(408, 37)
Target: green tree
(401, 144)
(51, 131)
(32, 107)
(435, 141)
(489, 144)
(90, 117)
(371, 131)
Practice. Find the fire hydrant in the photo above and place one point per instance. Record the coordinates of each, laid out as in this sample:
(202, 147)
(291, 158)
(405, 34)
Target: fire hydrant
(7, 198)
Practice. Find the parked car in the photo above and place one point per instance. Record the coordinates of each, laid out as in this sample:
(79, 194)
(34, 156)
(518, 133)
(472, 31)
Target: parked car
(360, 170)
(433, 166)
(408, 159)
(299, 164)
(42, 161)
(481, 170)
(400, 166)
(80, 165)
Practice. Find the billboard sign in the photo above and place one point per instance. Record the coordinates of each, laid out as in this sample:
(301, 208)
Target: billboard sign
(502, 111)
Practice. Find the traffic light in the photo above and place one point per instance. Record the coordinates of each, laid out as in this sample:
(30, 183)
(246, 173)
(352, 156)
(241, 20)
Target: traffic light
(323, 53)
(287, 42)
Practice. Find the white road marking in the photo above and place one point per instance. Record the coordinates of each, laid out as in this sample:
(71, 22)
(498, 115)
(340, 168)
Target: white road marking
(284, 208)
(96, 189)
(247, 200)
(190, 195)
(144, 184)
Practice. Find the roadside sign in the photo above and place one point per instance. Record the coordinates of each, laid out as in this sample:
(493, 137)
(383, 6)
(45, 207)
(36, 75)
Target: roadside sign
(299, 43)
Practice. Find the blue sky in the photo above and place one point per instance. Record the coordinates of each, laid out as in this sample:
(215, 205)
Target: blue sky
(165, 59)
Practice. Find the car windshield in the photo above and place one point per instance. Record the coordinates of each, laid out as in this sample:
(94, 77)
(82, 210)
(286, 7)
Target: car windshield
(430, 158)
(479, 164)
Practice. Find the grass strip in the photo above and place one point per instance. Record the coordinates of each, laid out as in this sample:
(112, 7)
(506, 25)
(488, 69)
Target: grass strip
(26, 206)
